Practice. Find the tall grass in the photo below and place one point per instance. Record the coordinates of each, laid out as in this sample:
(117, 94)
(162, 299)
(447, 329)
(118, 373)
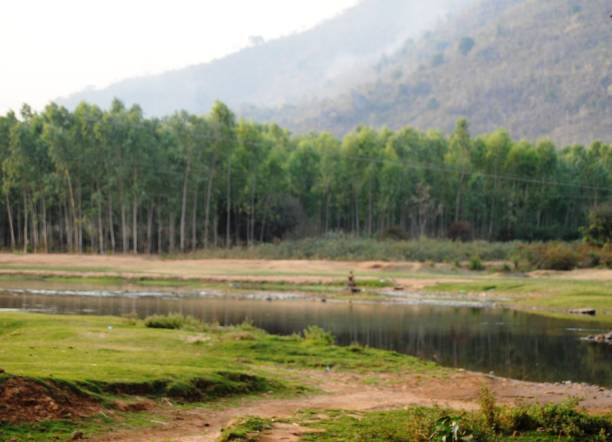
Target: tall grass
(343, 247)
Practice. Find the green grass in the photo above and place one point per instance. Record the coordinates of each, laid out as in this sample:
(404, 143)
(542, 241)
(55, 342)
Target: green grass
(108, 358)
(246, 430)
(554, 296)
(558, 423)
(64, 430)
(109, 350)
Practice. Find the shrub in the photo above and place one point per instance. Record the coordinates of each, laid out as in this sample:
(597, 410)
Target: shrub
(394, 233)
(246, 429)
(171, 322)
(488, 408)
(599, 228)
(317, 336)
(476, 264)
(554, 256)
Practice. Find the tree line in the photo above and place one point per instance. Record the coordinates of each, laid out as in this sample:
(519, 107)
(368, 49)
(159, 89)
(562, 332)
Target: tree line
(105, 181)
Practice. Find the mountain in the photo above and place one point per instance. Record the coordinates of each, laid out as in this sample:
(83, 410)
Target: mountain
(323, 60)
(540, 68)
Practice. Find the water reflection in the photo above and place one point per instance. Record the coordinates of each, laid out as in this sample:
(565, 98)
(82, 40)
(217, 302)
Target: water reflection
(511, 344)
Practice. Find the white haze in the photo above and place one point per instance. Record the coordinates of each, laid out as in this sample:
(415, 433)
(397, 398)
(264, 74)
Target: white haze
(54, 48)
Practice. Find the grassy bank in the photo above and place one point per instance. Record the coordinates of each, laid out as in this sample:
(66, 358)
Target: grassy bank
(543, 295)
(101, 362)
(552, 423)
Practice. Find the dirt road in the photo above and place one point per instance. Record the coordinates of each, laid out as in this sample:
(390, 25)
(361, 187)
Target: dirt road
(354, 392)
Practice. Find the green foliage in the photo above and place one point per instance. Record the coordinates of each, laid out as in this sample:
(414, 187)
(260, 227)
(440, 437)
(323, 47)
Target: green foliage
(561, 420)
(317, 336)
(342, 247)
(100, 181)
(550, 423)
(488, 408)
(450, 429)
(172, 322)
(555, 256)
(599, 228)
(246, 430)
(476, 264)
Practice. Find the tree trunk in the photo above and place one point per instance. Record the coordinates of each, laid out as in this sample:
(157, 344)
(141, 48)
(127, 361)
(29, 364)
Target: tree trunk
(25, 223)
(209, 186)
(251, 224)
(160, 245)
(171, 232)
(124, 229)
(69, 228)
(10, 219)
(44, 226)
(135, 226)
(194, 220)
(80, 221)
(111, 227)
(370, 208)
(74, 212)
(150, 230)
(228, 227)
(184, 208)
(100, 223)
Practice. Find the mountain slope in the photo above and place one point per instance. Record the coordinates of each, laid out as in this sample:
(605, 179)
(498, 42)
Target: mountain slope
(541, 68)
(313, 62)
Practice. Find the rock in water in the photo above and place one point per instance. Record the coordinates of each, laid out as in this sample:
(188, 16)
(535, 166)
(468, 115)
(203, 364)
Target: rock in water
(605, 338)
(583, 311)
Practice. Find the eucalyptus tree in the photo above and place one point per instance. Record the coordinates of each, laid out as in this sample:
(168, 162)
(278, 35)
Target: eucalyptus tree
(26, 169)
(458, 158)
(6, 124)
(222, 135)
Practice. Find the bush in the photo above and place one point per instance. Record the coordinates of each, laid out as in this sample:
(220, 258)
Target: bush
(476, 264)
(554, 256)
(317, 336)
(599, 228)
(488, 408)
(171, 322)
(394, 233)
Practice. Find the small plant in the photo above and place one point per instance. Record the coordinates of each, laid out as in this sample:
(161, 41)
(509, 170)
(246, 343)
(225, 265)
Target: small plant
(246, 430)
(171, 322)
(488, 408)
(476, 264)
(450, 429)
(317, 336)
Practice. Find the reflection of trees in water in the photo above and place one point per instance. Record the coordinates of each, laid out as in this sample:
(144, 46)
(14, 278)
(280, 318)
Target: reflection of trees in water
(509, 343)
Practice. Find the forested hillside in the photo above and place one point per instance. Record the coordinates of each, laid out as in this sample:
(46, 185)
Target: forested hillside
(94, 180)
(540, 68)
(336, 53)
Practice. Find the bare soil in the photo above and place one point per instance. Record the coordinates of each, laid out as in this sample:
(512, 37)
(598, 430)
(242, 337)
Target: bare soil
(356, 392)
(223, 270)
(26, 400)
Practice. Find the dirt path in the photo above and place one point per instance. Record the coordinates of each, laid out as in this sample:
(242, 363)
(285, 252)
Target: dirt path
(359, 393)
(412, 275)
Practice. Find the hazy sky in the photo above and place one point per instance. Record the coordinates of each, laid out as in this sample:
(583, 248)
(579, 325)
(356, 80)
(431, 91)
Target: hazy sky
(50, 48)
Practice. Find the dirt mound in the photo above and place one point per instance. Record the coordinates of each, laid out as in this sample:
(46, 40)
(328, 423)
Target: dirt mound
(29, 400)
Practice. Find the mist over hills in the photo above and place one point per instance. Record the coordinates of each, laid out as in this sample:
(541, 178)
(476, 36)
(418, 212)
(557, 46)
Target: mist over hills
(540, 68)
(324, 60)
